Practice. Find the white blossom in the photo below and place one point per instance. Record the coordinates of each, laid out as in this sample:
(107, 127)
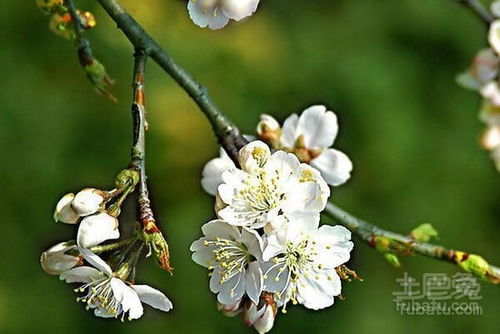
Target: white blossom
(310, 137)
(269, 187)
(108, 295)
(212, 172)
(301, 260)
(233, 256)
(96, 229)
(491, 92)
(260, 316)
(88, 201)
(55, 260)
(484, 69)
(215, 14)
(64, 211)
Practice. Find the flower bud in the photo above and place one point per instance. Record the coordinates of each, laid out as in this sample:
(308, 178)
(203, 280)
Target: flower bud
(99, 78)
(269, 130)
(253, 156)
(96, 229)
(230, 310)
(64, 211)
(62, 25)
(87, 202)
(158, 247)
(238, 9)
(127, 178)
(55, 261)
(261, 316)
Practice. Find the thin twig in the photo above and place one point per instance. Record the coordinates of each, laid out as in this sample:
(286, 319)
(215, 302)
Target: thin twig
(227, 133)
(85, 55)
(479, 10)
(387, 241)
(152, 232)
(231, 140)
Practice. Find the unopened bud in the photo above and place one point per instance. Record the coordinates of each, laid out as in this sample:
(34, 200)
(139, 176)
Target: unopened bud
(475, 264)
(393, 259)
(261, 316)
(64, 211)
(253, 156)
(269, 130)
(424, 232)
(158, 247)
(127, 178)
(55, 261)
(230, 310)
(96, 229)
(88, 201)
(62, 25)
(99, 78)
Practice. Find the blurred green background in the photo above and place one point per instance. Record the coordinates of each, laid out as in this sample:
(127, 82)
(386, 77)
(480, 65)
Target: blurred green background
(385, 67)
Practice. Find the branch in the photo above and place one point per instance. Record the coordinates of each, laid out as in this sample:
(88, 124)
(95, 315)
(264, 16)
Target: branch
(231, 140)
(151, 232)
(479, 10)
(390, 242)
(227, 133)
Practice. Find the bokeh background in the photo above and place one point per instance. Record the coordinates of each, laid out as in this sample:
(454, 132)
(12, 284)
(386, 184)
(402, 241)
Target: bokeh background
(385, 67)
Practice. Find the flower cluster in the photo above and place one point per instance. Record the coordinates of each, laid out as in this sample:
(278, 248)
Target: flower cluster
(483, 76)
(267, 248)
(108, 292)
(215, 14)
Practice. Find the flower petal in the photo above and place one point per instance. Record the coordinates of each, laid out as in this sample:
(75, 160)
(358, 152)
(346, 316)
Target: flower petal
(239, 9)
(153, 297)
(80, 274)
(206, 17)
(219, 228)
(289, 131)
(212, 172)
(335, 166)
(97, 228)
(128, 298)
(96, 261)
(318, 126)
(253, 281)
(64, 212)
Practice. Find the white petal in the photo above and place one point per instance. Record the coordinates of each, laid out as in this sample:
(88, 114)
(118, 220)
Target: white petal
(80, 274)
(206, 17)
(102, 313)
(232, 290)
(252, 314)
(64, 212)
(318, 126)
(494, 36)
(253, 242)
(300, 225)
(212, 172)
(128, 298)
(253, 156)
(153, 297)
(96, 261)
(491, 138)
(334, 166)
(238, 9)
(219, 228)
(266, 322)
(289, 131)
(286, 165)
(202, 255)
(334, 245)
(87, 202)
(268, 123)
(57, 263)
(316, 294)
(491, 92)
(253, 281)
(97, 228)
(270, 272)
